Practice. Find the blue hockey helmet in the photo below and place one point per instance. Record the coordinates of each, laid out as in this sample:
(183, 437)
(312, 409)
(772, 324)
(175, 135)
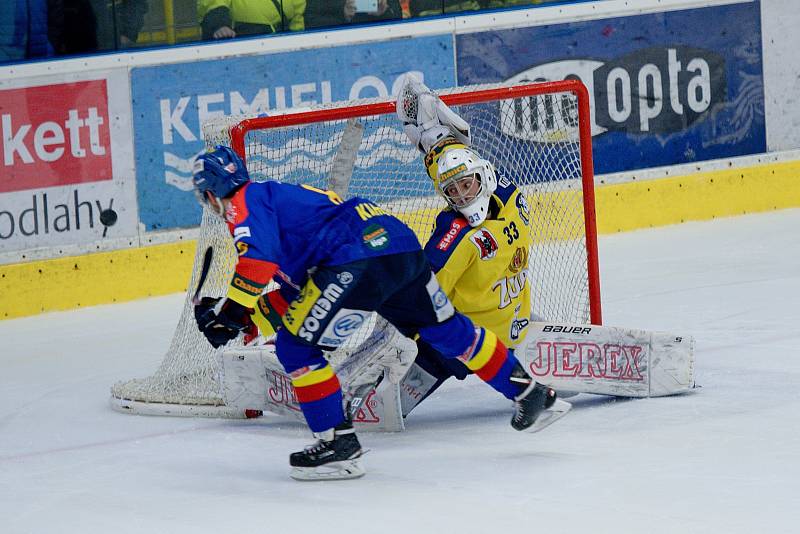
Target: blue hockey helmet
(220, 172)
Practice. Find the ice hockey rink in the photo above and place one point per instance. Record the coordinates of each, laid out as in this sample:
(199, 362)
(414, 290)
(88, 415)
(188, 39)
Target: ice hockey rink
(723, 459)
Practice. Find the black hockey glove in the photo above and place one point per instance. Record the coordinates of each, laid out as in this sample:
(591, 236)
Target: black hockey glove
(219, 328)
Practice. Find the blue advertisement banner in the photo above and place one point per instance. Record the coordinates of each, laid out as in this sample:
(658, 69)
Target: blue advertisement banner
(666, 88)
(171, 102)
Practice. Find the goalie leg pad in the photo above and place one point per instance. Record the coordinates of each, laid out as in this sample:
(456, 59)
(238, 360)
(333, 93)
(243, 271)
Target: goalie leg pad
(380, 410)
(429, 371)
(608, 360)
(374, 402)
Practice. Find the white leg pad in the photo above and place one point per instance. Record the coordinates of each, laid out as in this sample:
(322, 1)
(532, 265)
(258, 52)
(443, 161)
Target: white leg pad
(608, 360)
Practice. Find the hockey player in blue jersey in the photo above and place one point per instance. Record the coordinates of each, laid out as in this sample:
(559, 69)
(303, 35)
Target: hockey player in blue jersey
(337, 261)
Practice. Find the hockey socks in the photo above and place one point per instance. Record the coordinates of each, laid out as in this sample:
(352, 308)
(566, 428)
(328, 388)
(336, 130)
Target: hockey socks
(319, 396)
(493, 363)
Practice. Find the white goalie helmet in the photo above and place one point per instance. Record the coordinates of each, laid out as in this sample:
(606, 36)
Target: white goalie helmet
(467, 182)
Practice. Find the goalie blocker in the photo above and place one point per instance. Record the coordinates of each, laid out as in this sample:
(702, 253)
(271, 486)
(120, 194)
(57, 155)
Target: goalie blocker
(568, 357)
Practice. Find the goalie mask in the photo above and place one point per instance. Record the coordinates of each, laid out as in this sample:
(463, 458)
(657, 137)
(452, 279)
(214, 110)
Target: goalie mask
(466, 181)
(219, 172)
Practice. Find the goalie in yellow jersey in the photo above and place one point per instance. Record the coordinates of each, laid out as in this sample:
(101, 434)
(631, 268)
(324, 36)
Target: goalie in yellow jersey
(480, 244)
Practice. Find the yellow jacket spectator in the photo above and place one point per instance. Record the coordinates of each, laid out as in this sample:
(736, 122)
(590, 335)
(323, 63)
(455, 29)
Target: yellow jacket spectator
(224, 19)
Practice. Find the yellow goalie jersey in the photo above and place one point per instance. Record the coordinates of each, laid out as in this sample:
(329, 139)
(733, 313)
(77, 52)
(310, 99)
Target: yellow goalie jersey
(484, 270)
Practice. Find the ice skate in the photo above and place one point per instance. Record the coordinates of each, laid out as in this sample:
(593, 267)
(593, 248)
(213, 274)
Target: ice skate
(537, 407)
(335, 456)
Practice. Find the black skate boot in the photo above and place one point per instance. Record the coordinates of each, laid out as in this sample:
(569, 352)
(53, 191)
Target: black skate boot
(334, 456)
(536, 407)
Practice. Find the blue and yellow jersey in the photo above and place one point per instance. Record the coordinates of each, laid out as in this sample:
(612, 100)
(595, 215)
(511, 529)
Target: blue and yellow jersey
(283, 230)
(484, 270)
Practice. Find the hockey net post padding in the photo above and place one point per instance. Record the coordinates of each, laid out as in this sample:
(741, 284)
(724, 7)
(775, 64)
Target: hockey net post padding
(536, 134)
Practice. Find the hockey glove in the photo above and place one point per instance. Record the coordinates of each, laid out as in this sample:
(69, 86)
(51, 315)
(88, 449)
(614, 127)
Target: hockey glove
(426, 119)
(221, 320)
(268, 315)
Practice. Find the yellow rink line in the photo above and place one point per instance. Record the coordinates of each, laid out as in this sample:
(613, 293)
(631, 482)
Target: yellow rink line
(101, 278)
(98, 278)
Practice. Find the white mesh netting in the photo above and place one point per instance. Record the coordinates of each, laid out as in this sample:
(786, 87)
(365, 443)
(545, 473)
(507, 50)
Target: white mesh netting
(533, 140)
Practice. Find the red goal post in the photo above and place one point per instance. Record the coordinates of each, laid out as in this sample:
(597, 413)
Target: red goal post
(536, 134)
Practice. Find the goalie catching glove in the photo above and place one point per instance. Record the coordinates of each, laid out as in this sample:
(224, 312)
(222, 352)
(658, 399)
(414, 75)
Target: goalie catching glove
(221, 320)
(427, 120)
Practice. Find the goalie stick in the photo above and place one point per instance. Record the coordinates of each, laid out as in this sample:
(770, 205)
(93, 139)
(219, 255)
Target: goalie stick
(345, 159)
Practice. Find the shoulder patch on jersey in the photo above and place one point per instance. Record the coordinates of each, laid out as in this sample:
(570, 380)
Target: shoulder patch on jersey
(485, 242)
(449, 237)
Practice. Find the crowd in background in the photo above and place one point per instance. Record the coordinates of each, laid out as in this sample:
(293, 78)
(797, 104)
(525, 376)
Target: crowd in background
(35, 29)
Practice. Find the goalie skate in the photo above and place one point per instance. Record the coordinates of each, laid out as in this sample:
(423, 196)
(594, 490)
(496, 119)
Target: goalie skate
(335, 456)
(538, 407)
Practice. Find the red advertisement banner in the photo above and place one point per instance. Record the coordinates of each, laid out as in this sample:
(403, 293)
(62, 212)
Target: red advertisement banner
(54, 135)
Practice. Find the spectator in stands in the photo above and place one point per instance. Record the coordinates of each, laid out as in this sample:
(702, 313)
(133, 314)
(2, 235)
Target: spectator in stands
(24, 28)
(321, 13)
(127, 21)
(225, 19)
(98, 25)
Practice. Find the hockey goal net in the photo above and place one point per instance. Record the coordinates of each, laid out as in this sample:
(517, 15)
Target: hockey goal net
(537, 134)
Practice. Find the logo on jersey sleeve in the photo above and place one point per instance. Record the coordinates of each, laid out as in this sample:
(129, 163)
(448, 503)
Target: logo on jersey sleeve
(375, 237)
(524, 210)
(455, 227)
(486, 243)
(441, 304)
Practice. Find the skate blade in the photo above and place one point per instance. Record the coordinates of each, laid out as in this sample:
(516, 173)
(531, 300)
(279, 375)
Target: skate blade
(333, 471)
(558, 410)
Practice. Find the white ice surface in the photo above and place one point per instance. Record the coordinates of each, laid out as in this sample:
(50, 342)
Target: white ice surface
(724, 459)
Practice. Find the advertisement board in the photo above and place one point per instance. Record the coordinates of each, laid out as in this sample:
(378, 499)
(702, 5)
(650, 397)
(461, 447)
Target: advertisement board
(65, 160)
(666, 88)
(170, 103)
